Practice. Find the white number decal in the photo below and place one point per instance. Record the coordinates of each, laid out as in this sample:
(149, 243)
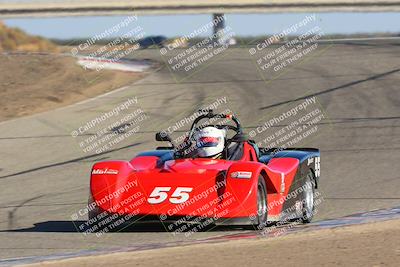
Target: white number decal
(159, 194)
(180, 195)
(317, 166)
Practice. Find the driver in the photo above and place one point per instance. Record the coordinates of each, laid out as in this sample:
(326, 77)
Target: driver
(210, 142)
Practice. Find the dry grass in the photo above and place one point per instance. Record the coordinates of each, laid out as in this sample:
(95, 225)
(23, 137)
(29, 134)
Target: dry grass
(34, 83)
(14, 39)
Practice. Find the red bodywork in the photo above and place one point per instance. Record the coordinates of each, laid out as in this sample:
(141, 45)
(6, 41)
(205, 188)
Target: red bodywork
(194, 187)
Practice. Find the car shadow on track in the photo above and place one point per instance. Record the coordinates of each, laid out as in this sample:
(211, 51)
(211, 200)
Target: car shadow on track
(73, 227)
(50, 226)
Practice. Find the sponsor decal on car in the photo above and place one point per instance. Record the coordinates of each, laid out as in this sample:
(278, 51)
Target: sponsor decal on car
(241, 174)
(105, 171)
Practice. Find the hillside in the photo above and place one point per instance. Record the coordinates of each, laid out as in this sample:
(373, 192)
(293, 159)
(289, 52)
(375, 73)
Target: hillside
(14, 39)
(32, 83)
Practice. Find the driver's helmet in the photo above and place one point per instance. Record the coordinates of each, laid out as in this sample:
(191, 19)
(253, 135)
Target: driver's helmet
(210, 142)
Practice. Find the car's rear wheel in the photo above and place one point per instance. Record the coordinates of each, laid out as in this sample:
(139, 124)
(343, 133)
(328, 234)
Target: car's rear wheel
(308, 209)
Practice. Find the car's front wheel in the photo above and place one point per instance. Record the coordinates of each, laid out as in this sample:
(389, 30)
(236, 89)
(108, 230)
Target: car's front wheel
(259, 221)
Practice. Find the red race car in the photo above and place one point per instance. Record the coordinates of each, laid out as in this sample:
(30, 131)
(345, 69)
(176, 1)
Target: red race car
(209, 178)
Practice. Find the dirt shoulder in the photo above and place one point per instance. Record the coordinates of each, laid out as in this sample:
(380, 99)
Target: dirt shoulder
(375, 244)
(35, 83)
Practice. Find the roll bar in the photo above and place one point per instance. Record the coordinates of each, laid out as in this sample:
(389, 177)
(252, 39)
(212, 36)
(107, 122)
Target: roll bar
(208, 114)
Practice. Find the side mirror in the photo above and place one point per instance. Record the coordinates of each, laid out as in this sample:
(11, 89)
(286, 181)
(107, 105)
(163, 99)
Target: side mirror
(240, 138)
(163, 136)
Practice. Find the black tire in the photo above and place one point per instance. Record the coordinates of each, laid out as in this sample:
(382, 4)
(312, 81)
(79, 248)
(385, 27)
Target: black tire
(308, 207)
(259, 221)
(262, 207)
(92, 222)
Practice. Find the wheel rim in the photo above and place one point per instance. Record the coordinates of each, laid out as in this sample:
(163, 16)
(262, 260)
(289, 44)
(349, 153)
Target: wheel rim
(309, 200)
(262, 204)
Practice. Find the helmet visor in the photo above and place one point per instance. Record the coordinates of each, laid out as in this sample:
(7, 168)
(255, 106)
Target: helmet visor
(207, 141)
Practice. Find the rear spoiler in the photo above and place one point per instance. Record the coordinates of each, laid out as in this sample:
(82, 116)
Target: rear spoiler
(264, 150)
(301, 153)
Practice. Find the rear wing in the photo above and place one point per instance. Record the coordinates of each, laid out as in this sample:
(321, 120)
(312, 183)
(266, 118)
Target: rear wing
(274, 150)
(301, 153)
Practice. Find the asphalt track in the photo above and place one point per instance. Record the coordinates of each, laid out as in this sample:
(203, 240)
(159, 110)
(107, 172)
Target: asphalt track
(269, 234)
(44, 174)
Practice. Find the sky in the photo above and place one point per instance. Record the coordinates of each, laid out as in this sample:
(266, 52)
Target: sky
(241, 24)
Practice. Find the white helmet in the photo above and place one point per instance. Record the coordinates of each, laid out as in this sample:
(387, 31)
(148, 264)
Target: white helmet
(210, 142)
